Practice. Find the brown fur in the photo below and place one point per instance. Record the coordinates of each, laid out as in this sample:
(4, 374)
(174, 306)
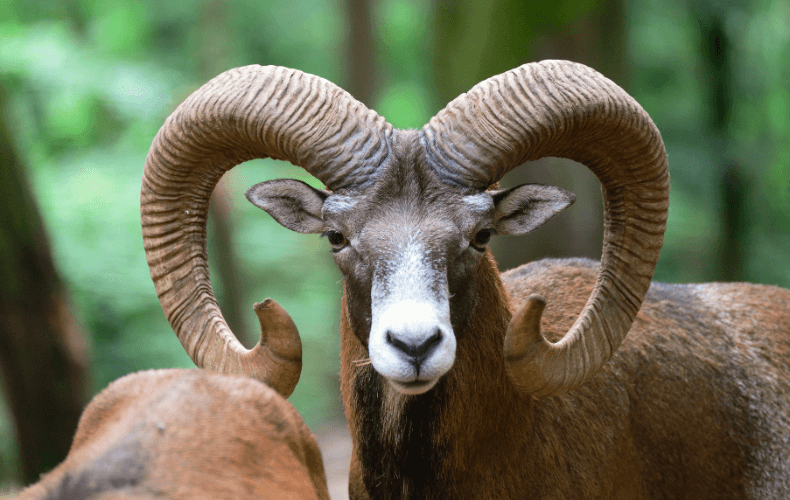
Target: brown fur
(187, 434)
(695, 403)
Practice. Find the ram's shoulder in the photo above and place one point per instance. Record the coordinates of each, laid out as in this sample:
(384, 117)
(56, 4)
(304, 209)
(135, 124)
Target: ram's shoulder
(739, 311)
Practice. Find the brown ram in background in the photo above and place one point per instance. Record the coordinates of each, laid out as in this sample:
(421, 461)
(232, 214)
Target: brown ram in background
(195, 434)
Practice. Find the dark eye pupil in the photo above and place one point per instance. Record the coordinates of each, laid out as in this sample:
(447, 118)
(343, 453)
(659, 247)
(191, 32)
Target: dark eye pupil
(482, 237)
(336, 238)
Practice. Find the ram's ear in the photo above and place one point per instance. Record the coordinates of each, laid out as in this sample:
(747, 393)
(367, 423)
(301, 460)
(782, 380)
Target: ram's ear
(525, 208)
(292, 203)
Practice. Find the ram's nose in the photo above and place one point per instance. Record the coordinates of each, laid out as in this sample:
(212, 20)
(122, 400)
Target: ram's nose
(414, 350)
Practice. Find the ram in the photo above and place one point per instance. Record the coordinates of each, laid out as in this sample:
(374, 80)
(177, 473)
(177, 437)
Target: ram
(195, 434)
(459, 382)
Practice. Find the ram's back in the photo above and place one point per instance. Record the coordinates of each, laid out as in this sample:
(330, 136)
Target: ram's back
(700, 388)
(187, 434)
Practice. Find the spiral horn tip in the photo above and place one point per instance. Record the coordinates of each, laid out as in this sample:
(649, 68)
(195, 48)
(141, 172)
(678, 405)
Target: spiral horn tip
(523, 331)
(278, 331)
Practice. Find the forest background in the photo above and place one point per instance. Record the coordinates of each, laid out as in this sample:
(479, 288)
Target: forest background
(86, 84)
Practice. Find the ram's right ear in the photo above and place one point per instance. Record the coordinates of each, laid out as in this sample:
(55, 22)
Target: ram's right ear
(524, 208)
(292, 203)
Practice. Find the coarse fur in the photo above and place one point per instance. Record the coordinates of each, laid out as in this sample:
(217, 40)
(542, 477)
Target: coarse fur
(187, 434)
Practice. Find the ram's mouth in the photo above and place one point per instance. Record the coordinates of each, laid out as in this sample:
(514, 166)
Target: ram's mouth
(413, 387)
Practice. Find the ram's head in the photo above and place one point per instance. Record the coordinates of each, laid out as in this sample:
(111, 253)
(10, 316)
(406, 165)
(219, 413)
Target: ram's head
(409, 213)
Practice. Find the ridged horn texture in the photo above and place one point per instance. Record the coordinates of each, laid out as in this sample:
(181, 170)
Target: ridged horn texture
(242, 114)
(564, 109)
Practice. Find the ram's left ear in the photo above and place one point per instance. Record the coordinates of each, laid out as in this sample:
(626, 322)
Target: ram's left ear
(525, 208)
(292, 203)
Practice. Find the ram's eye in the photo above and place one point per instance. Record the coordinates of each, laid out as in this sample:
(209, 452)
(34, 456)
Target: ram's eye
(336, 240)
(481, 239)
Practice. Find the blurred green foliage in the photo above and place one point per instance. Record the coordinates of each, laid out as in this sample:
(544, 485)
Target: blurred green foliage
(90, 82)
(670, 81)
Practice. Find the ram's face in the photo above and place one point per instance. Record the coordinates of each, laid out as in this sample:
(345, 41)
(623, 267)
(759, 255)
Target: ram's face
(409, 263)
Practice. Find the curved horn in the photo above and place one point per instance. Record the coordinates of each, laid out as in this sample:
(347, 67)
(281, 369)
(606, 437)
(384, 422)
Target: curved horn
(564, 109)
(244, 113)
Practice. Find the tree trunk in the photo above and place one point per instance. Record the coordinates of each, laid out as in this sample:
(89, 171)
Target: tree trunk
(42, 348)
(363, 77)
(730, 180)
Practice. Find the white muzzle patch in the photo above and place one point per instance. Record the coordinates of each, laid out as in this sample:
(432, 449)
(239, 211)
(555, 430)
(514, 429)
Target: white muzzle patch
(411, 340)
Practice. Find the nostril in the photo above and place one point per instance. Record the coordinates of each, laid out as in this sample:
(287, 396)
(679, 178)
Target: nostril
(430, 343)
(398, 344)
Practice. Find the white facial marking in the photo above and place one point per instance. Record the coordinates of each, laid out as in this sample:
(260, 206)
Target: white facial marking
(338, 203)
(411, 339)
(480, 202)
